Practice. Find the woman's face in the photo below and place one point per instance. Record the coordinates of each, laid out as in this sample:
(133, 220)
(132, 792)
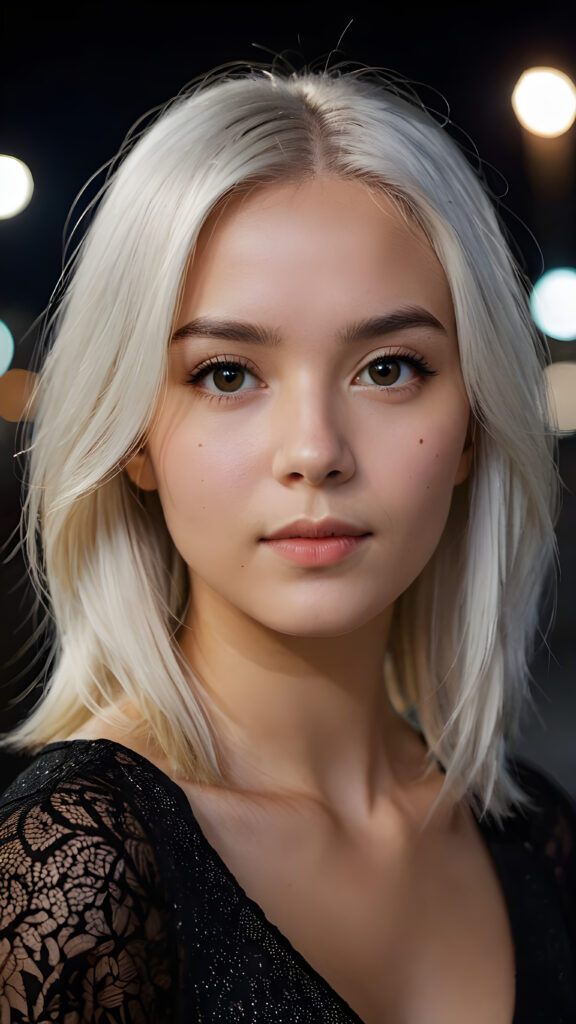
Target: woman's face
(314, 375)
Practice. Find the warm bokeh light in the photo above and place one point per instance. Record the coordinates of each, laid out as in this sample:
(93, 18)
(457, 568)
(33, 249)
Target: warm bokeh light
(561, 386)
(16, 387)
(544, 101)
(553, 303)
(16, 186)
(6, 347)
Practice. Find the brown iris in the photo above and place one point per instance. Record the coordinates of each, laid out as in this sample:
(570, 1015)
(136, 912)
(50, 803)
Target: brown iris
(385, 371)
(228, 378)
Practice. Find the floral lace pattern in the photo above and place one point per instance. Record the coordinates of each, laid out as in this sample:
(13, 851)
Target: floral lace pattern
(114, 908)
(87, 936)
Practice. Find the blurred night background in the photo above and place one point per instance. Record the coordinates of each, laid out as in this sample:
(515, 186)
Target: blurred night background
(75, 79)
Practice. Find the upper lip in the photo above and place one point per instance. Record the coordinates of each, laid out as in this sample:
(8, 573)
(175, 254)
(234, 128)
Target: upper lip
(320, 528)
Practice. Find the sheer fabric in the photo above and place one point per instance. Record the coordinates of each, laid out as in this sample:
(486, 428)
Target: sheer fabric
(115, 908)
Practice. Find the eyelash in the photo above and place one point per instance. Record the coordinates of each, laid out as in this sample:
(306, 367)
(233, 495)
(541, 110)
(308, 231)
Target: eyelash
(217, 363)
(417, 363)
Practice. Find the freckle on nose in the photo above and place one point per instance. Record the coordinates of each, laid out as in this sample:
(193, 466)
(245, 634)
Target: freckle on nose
(421, 441)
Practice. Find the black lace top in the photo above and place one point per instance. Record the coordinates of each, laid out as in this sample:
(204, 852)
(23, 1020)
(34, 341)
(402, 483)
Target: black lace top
(115, 908)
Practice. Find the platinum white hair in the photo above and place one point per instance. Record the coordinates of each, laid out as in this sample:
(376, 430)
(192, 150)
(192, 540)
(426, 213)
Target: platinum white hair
(116, 587)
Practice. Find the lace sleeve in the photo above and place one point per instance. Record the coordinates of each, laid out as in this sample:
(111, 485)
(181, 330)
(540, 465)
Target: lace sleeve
(84, 932)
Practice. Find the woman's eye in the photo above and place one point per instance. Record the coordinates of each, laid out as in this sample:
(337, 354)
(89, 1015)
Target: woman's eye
(388, 371)
(224, 378)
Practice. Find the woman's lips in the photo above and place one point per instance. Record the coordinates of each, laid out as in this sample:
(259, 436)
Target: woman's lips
(315, 551)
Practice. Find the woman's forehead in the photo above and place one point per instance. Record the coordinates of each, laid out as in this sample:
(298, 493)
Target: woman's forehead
(310, 229)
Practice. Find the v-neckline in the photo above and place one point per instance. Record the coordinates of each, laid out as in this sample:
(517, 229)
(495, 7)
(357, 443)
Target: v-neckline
(192, 821)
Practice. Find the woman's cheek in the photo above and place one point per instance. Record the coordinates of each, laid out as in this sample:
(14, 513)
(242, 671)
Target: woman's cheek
(198, 480)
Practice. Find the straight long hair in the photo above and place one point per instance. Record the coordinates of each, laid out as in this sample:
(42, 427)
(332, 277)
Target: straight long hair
(98, 548)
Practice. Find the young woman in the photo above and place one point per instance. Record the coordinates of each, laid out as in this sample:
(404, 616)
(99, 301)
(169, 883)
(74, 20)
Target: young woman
(291, 499)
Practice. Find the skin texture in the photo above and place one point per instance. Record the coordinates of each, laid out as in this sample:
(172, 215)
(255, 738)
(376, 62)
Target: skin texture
(292, 655)
(324, 787)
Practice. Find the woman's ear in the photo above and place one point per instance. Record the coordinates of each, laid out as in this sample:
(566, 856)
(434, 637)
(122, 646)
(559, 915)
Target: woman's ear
(141, 471)
(465, 465)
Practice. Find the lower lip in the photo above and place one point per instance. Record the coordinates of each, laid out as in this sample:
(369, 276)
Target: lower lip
(314, 551)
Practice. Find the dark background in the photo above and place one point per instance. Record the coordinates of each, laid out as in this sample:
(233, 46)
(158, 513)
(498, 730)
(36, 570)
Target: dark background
(74, 80)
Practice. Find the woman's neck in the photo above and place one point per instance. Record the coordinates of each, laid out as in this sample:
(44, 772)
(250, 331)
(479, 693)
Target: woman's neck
(300, 716)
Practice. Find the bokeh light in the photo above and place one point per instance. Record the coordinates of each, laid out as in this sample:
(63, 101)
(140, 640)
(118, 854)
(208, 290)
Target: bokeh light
(553, 303)
(6, 347)
(561, 388)
(16, 186)
(16, 389)
(544, 101)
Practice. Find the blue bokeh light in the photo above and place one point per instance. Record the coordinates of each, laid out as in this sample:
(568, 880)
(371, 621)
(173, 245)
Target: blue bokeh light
(6, 347)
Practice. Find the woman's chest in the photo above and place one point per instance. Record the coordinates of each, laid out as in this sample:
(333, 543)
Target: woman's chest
(410, 936)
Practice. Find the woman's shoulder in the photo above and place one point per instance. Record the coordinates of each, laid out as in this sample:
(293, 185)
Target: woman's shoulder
(82, 783)
(84, 808)
(83, 913)
(550, 817)
(538, 839)
(550, 825)
(91, 792)
(544, 822)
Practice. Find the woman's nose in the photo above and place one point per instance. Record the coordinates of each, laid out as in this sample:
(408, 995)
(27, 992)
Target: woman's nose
(310, 440)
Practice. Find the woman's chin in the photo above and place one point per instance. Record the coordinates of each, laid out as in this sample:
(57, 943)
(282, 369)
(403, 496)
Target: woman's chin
(325, 623)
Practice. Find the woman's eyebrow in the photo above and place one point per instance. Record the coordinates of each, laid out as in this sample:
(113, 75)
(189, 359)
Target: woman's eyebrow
(400, 320)
(254, 334)
(226, 330)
